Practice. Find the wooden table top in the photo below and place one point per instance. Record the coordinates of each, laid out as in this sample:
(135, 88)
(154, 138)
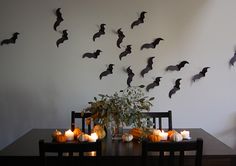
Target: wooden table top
(27, 145)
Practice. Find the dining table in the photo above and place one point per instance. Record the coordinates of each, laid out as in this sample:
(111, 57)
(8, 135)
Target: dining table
(25, 150)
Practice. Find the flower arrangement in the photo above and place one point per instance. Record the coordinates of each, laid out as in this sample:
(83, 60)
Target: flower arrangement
(122, 108)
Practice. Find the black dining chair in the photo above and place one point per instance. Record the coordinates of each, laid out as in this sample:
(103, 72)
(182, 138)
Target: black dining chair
(51, 153)
(160, 116)
(173, 153)
(82, 116)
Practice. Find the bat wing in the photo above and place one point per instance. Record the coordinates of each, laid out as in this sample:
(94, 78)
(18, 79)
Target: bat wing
(232, 60)
(182, 64)
(204, 70)
(171, 68)
(105, 73)
(89, 55)
(123, 54)
(119, 41)
(196, 77)
(129, 79)
(57, 23)
(173, 91)
(59, 41)
(150, 62)
(135, 23)
(144, 71)
(151, 86)
(147, 45)
(96, 35)
(6, 41)
(59, 19)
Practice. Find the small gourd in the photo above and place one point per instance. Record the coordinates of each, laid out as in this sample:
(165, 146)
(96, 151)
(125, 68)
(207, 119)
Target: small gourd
(61, 138)
(136, 132)
(55, 134)
(126, 137)
(99, 130)
(83, 137)
(154, 138)
(176, 137)
(77, 132)
(156, 131)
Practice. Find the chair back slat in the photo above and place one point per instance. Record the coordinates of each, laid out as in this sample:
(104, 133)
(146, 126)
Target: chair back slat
(172, 147)
(82, 116)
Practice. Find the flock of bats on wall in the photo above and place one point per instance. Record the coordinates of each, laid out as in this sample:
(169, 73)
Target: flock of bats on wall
(128, 50)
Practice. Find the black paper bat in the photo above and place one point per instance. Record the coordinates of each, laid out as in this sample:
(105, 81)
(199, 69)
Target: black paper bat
(139, 20)
(100, 32)
(11, 40)
(175, 88)
(126, 52)
(148, 67)
(156, 82)
(152, 44)
(59, 19)
(63, 38)
(108, 71)
(233, 59)
(130, 76)
(200, 74)
(120, 37)
(92, 55)
(177, 67)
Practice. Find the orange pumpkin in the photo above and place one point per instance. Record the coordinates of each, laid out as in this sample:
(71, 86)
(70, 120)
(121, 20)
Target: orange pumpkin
(170, 132)
(77, 132)
(99, 130)
(137, 133)
(61, 138)
(154, 138)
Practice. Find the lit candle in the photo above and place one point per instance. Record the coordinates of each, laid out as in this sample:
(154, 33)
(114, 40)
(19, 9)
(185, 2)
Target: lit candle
(185, 134)
(164, 135)
(93, 137)
(69, 135)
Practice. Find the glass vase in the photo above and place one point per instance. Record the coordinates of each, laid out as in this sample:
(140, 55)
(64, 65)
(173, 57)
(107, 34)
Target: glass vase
(116, 132)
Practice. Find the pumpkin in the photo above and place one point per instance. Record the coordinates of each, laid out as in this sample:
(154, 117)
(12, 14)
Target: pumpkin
(126, 137)
(176, 137)
(77, 132)
(136, 132)
(83, 137)
(55, 134)
(154, 138)
(99, 130)
(156, 131)
(61, 138)
(170, 132)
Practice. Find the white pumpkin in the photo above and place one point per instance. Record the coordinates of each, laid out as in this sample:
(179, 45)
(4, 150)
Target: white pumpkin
(126, 137)
(176, 137)
(83, 137)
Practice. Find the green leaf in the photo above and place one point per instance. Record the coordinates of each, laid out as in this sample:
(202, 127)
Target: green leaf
(152, 98)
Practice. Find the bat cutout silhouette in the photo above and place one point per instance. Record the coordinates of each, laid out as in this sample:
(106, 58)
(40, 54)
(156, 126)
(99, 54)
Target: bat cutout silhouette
(100, 32)
(92, 55)
(126, 52)
(139, 20)
(152, 44)
(233, 59)
(12, 40)
(200, 74)
(107, 71)
(130, 76)
(155, 83)
(177, 67)
(175, 88)
(59, 19)
(63, 38)
(121, 36)
(148, 67)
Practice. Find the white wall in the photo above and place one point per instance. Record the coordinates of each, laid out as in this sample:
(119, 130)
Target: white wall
(40, 84)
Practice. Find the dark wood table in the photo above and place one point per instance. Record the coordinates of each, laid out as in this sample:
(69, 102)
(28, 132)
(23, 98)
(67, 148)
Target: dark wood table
(25, 149)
